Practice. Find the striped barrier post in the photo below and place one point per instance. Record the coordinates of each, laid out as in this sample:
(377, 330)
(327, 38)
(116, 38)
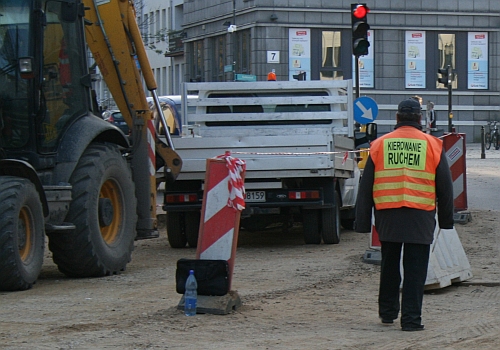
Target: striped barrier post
(223, 200)
(374, 240)
(373, 254)
(454, 146)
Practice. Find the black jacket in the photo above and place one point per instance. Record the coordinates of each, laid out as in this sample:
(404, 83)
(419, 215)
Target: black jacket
(406, 225)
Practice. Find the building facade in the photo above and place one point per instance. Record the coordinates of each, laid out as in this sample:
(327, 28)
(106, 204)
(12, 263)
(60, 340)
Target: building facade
(228, 40)
(160, 23)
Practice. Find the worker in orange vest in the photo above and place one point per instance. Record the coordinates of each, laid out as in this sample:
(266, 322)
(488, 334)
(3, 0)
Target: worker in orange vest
(405, 177)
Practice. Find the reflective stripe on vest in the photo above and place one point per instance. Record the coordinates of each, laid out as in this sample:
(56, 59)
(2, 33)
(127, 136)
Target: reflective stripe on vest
(405, 169)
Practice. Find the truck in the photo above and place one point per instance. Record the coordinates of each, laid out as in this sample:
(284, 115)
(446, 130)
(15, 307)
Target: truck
(298, 142)
(66, 174)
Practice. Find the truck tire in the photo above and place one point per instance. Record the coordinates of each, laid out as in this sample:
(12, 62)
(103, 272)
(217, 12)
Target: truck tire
(330, 222)
(310, 223)
(22, 234)
(348, 224)
(103, 209)
(192, 227)
(175, 230)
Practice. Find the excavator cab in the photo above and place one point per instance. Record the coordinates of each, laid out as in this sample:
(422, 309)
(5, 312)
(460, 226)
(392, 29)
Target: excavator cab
(64, 172)
(41, 74)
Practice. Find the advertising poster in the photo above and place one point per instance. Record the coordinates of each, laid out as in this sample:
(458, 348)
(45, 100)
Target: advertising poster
(477, 64)
(415, 60)
(299, 56)
(366, 66)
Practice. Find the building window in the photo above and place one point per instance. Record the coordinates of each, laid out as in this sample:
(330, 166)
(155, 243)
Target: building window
(331, 68)
(218, 58)
(145, 29)
(196, 61)
(446, 56)
(243, 44)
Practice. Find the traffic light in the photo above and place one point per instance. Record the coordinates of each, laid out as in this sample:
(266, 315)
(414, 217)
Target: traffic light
(446, 76)
(360, 28)
(300, 76)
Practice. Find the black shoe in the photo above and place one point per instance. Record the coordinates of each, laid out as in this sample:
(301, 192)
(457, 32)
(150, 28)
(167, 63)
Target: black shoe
(387, 320)
(413, 328)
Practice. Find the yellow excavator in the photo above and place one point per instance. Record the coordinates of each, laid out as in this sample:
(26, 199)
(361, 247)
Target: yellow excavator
(65, 173)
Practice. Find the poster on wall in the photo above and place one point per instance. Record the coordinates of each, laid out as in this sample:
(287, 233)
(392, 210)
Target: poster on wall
(415, 60)
(299, 56)
(477, 64)
(366, 71)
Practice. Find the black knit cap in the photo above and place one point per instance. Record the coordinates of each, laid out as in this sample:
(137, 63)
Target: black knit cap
(409, 106)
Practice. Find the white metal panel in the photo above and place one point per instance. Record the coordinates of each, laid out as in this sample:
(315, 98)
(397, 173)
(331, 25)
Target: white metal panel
(448, 262)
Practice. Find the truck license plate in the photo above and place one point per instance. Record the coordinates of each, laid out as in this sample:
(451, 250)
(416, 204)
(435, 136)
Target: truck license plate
(255, 196)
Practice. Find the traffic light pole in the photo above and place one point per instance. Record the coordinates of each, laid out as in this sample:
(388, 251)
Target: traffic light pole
(450, 113)
(356, 64)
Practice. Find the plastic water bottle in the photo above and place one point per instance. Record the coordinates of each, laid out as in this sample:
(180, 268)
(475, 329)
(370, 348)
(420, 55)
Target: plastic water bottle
(190, 295)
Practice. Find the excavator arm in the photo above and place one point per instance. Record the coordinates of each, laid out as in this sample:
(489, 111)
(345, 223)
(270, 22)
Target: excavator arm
(113, 37)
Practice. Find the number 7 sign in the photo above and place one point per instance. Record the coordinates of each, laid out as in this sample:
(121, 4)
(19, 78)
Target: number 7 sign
(273, 57)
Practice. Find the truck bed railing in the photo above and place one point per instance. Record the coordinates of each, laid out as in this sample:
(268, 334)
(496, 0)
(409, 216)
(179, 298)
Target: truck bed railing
(269, 104)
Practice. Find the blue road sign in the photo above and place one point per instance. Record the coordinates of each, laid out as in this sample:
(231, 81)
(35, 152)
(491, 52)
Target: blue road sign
(365, 110)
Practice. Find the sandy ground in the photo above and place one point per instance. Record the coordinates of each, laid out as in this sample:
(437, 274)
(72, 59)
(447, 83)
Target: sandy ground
(294, 296)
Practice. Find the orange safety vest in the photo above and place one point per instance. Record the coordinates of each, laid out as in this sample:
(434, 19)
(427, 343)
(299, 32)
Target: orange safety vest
(405, 169)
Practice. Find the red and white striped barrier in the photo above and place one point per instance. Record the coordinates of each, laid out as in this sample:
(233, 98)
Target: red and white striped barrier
(374, 240)
(454, 146)
(223, 200)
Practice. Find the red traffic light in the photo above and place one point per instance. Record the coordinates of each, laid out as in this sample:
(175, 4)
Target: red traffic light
(360, 11)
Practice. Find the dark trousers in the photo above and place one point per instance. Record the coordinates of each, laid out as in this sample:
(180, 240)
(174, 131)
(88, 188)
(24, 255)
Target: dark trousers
(415, 263)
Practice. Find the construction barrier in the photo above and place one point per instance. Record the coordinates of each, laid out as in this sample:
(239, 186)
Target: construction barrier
(223, 201)
(448, 262)
(454, 146)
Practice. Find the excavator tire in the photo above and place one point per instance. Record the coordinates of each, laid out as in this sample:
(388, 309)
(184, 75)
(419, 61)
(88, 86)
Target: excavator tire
(103, 209)
(22, 236)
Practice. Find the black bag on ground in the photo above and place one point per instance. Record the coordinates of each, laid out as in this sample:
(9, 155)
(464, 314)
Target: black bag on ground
(212, 276)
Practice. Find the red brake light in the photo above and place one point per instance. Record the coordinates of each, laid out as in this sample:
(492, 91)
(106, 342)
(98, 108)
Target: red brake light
(303, 195)
(182, 198)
